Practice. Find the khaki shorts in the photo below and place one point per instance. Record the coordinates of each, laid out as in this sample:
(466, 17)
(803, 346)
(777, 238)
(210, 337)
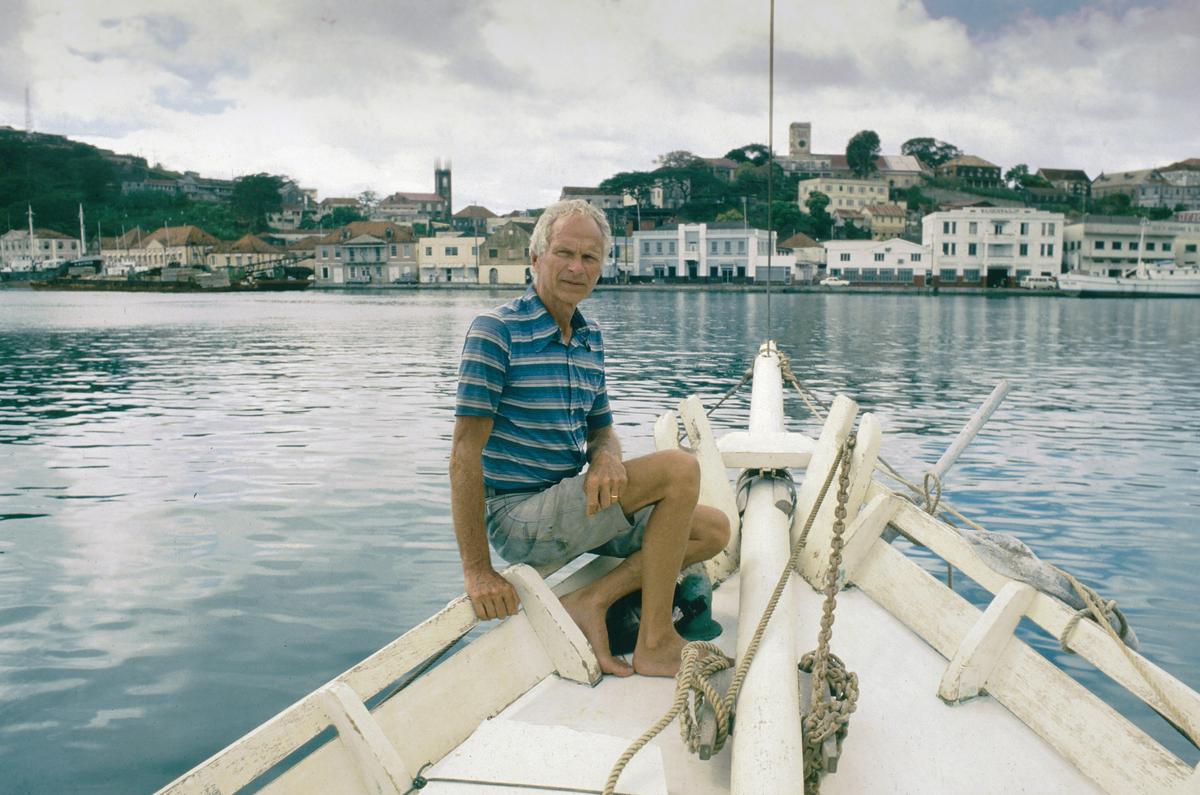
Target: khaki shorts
(552, 527)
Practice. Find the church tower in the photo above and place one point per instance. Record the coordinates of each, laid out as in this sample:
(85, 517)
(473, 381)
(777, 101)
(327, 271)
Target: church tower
(800, 139)
(441, 185)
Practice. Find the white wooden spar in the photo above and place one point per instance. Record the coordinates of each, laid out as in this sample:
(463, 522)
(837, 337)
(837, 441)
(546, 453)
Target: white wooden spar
(767, 754)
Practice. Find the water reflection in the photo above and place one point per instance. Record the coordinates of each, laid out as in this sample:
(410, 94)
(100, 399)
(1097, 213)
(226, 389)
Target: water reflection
(210, 505)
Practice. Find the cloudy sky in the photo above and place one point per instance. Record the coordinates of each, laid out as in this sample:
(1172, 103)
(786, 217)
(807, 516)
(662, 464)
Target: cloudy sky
(525, 96)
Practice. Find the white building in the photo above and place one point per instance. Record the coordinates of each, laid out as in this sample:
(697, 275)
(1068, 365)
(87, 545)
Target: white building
(1110, 245)
(723, 252)
(845, 193)
(17, 253)
(885, 262)
(449, 257)
(993, 246)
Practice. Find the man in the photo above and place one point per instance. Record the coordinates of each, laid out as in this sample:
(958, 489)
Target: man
(532, 410)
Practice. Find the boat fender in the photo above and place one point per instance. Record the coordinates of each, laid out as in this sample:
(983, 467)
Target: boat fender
(691, 612)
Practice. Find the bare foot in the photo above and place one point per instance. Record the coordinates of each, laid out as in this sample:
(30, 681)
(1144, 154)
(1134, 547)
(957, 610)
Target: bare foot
(590, 620)
(661, 659)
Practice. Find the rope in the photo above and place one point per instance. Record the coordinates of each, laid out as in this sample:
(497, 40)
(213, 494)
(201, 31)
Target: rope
(1101, 610)
(701, 660)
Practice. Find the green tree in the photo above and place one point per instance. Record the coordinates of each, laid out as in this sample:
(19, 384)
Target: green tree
(930, 151)
(679, 158)
(342, 216)
(254, 196)
(853, 232)
(1017, 175)
(368, 200)
(820, 221)
(756, 154)
(861, 152)
(637, 184)
(729, 216)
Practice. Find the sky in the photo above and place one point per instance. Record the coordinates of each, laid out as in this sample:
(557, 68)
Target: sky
(526, 96)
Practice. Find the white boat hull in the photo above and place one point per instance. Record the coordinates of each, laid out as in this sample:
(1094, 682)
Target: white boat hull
(1153, 285)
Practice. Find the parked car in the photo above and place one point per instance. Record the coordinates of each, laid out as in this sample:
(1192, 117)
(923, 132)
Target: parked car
(1038, 282)
(834, 281)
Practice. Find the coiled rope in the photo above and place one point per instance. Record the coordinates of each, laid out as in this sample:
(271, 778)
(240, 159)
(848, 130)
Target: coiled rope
(701, 660)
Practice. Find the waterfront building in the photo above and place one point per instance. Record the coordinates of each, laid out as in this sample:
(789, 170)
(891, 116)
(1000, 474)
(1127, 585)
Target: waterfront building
(204, 189)
(971, 170)
(249, 251)
(366, 253)
(809, 257)
(17, 250)
(724, 252)
(505, 257)
(992, 246)
(893, 262)
(1184, 176)
(885, 220)
(449, 257)
(171, 247)
(1111, 245)
(1145, 187)
(844, 193)
(169, 187)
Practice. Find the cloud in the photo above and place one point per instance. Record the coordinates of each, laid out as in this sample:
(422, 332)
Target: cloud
(528, 95)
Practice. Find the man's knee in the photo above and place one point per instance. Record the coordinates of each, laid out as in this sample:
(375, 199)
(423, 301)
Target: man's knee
(682, 472)
(711, 528)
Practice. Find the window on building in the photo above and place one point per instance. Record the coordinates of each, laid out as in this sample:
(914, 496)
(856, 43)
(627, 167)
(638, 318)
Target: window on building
(493, 253)
(1166, 247)
(728, 246)
(1098, 245)
(879, 257)
(671, 247)
(916, 257)
(949, 227)
(970, 274)
(451, 251)
(972, 228)
(429, 251)
(658, 247)
(998, 229)
(712, 269)
(645, 246)
(741, 246)
(887, 275)
(904, 275)
(869, 275)
(1022, 249)
(1150, 246)
(1116, 246)
(1021, 274)
(850, 274)
(1190, 248)
(947, 274)
(712, 247)
(972, 249)
(844, 257)
(393, 251)
(1024, 227)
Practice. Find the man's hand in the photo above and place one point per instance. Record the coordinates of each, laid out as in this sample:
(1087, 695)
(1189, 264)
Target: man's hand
(604, 482)
(491, 595)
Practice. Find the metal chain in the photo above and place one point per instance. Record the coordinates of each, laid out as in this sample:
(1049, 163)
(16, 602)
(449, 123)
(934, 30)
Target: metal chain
(829, 714)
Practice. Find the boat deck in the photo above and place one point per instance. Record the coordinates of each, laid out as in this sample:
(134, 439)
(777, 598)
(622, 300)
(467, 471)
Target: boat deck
(902, 737)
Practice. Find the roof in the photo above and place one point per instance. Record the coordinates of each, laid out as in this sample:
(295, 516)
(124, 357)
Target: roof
(1129, 178)
(1191, 164)
(720, 162)
(50, 234)
(180, 236)
(885, 209)
(383, 230)
(799, 240)
(1061, 174)
(967, 160)
(848, 213)
(305, 243)
(474, 211)
(247, 244)
(404, 196)
(336, 200)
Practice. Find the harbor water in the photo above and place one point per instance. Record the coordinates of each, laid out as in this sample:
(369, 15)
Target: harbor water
(212, 504)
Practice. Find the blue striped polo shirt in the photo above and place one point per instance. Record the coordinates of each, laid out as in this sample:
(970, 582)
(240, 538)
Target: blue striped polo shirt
(544, 397)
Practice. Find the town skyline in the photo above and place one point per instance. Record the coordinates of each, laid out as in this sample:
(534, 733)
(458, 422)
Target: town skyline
(1099, 86)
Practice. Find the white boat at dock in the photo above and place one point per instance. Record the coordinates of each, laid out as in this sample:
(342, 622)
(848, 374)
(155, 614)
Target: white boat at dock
(949, 698)
(1164, 279)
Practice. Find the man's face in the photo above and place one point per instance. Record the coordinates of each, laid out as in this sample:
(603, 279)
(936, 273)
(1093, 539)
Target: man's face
(570, 266)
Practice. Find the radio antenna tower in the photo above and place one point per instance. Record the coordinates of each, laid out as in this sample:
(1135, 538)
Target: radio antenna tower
(28, 114)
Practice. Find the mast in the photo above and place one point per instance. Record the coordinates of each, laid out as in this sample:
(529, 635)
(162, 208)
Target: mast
(32, 240)
(82, 236)
(1141, 267)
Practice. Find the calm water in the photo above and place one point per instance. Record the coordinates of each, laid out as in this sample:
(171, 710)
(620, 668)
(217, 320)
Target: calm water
(211, 505)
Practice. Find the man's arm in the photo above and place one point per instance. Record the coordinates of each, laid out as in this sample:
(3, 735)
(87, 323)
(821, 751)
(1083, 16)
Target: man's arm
(605, 479)
(492, 595)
